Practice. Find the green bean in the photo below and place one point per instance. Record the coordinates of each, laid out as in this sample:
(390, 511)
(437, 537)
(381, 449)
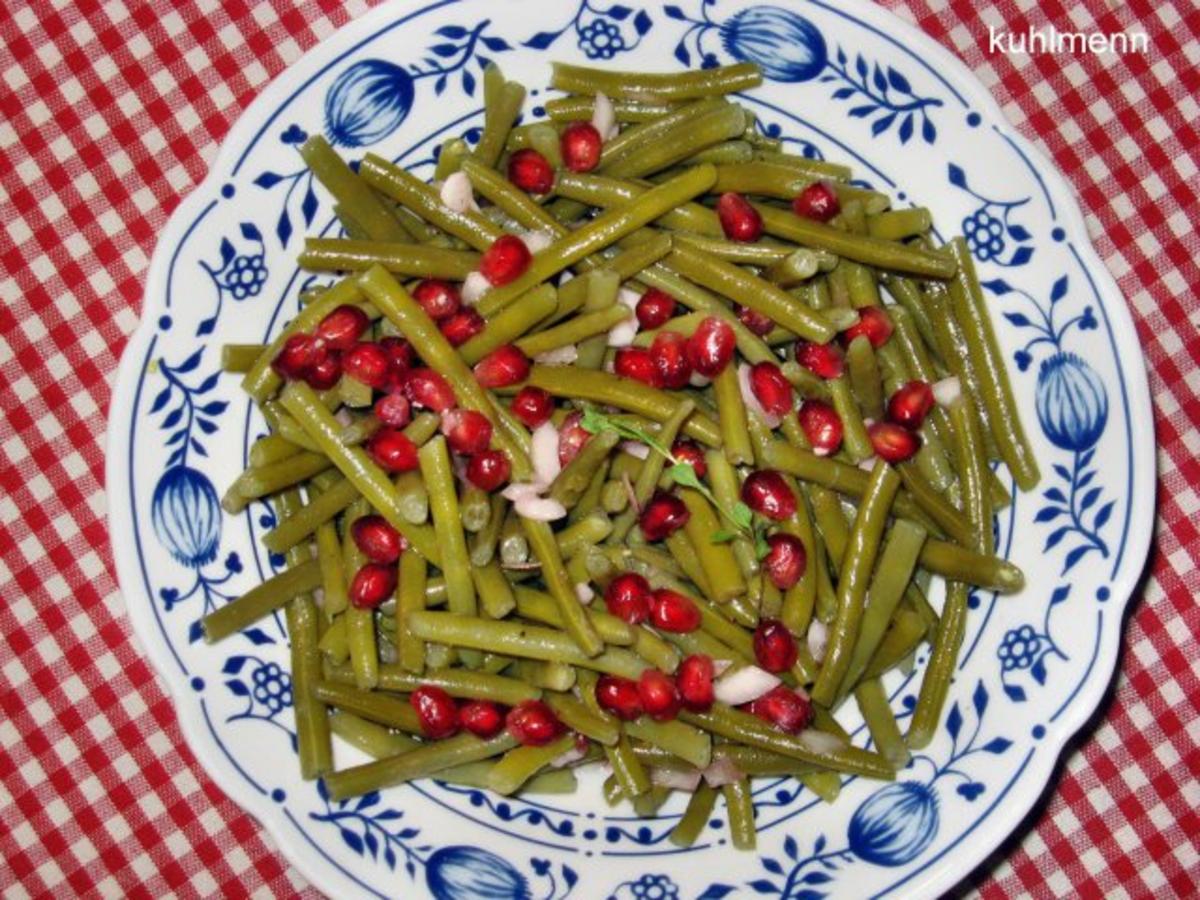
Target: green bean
(724, 482)
(754, 761)
(364, 207)
(977, 502)
(740, 805)
(545, 139)
(384, 709)
(575, 620)
(261, 481)
(410, 598)
(510, 323)
(589, 530)
(865, 379)
(637, 138)
(291, 531)
(481, 545)
(695, 817)
(573, 330)
(873, 703)
(438, 473)
(540, 607)
(552, 781)
(654, 650)
(945, 519)
(655, 87)
(794, 269)
(718, 562)
(239, 358)
(271, 449)
(816, 169)
(514, 548)
(936, 683)
(427, 760)
(475, 508)
(516, 203)
(911, 302)
(900, 224)
(502, 106)
(342, 255)
(683, 551)
(607, 192)
(493, 590)
(261, 600)
(374, 740)
(333, 642)
(590, 500)
(576, 716)
(453, 154)
(676, 143)
(855, 440)
(552, 676)
(466, 684)
(412, 498)
(755, 254)
(766, 179)
(522, 763)
(361, 641)
(676, 737)
(731, 415)
(988, 572)
(725, 153)
(575, 109)
(572, 481)
(901, 640)
(855, 570)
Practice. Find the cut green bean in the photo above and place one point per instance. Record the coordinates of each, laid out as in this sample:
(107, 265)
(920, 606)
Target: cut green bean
(261, 600)
(522, 763)
(364, 207)
(695, 817)
(942, 659)
(425, 761)
(676, 737)
(646, 87)
(510, 323)
(343, 255)
(740, 805)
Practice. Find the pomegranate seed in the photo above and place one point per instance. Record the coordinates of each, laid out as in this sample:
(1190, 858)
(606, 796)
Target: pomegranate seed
(368, 363)
(670, 611)
(823, 360)
(298, 353)
(910, 404)
(669, 352)
(392, 450)
(774, 646)
(372, 584)
(771, 389)
(467, 431)
(436, 711)
(342, 327)
(482, 718)
(325, 371)
(818, 201)
(767, 494)
(438, 298)
(757, 322)
(399, 352)
(393, 410)
(660, 696)
(628, 598)
(461, 327)
(821, 425)
(636, 363)
(785, 561)
(655, 309)
(739, 220)
(488, 469)
(427, 388)
(710, 348)
(571, 437)
(619, 696)
(533, 723)
(663, 516)
(378, 541)
(873, 324)
(502, 367)
(530, 171)
(694, 678)
(532, 406)
(506, 260)
(892, 442)
(784, 708)
(690, 453)
(581, 145)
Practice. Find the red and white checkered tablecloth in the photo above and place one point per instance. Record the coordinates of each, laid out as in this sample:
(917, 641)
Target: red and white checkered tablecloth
(112, 112)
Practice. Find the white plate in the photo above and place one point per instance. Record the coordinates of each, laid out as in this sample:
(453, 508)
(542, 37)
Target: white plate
(846, 81)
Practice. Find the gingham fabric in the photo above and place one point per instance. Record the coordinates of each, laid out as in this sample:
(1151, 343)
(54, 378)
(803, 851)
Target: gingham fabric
(112, 113)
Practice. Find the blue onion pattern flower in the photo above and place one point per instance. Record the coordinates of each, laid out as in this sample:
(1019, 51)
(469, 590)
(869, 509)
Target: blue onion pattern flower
(601, 39)
(894, 825)
(367, 102)
(785, 45)
(654, 887)
(245, 276)
(469, 873)
(186, 514)
(1019, 649)
(272, 687)
(984, 233)
(1072, 404)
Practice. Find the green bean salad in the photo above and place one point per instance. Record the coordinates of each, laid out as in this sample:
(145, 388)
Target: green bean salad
(630, 440)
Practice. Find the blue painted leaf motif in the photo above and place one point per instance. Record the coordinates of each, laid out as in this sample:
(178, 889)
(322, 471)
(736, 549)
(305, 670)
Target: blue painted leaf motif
(250, 232)
(367, 800)
(389, 856)
(372, 843)
(790, 848)
(1015, 692)
(620, 13)
(841, 56)
(970, 790)
(641, 22)
(674, 12)
(234, 664)
(860, 65)
(227, 251)
(807, 895)
(979, 699)
(453, 32)
(906, 129)
(440, 85)
(195, 632)
(1059, 290)
(1018, 233)
(322, 790)
(160, 400)
(1089, 499)
(842, 93)
(1060, 594)
(997, 286)
(1056, 538)
(1103, 515)
(389, 815)
(882, 125)
(258, 637)
(468, 83)
(570, 876)
(958, 178)
(816, 878)
(172, 418)
(996, 745)
(283, 228)
(445, 51)
(267, 180)
(215, 408)
(1054, 494)
(196, 446)
(928, 131)
(1075, 556)
(544, 39)
(1085, 480)
(237, 688)
(176, 437)
(772, 866)
(1038, 670)
(860, 111)
(1086, 458)
(898, 81)
(495, 44)
(954, 721)
(206, 426)
(1049, 514)
(353, 841)
(716, 891)
(1018, 319)
(190, 363)
(308, 206)
(208, 383)
(681, 54)
(880, 80)
(1063, 471)
(762, 886)
(1021, 256)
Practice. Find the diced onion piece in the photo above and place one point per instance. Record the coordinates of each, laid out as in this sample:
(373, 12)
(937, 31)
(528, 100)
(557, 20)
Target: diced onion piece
(540, 509)
(604, 118)
(622, 334)
(722, 771)
(721, 666)
(744, 685)
(543, 454)
(457, 194)
(584, 592)
(635, 448)
(818, 637)
(687, 780)
(519, 489)
(752, 404)
(821, 741)
(568, 757)
(559, 356)
(947, 391)
(474, 287)
(537, 241)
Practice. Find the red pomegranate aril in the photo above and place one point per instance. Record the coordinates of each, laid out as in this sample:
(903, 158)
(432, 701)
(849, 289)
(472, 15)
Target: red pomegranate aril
(533, 723)
(482, 718)
(694, 678)
(710, 348)
(784, 708)
(757, 322)
(427, 388)
(440, 299)
(467, 431)
(767, 494)
(325, 372)
(298, 353)
(342, 327)
(368, 363)
(660, 696)
(873, 324)
(739, 220)
(392, 450)
(533, 406)
(581, 146)
(376, 539)
(672, 611)
(636, 363)
(437, 712)
(662, 516)
(823, 360)
(785, 561)
(690, 453)
(393, 410)
(669, 352)
(571, 437)
(488, 469)
(818, 201)
(911, 403)
(628, 598)
(461, 327)
(372, 584)
(655, 309)
(893, 443)
(774, 647)
(502, 367)
(506, 260)
(530, 171)
(399, 352)
(619, 696)
(771, 389)
(822, 426)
